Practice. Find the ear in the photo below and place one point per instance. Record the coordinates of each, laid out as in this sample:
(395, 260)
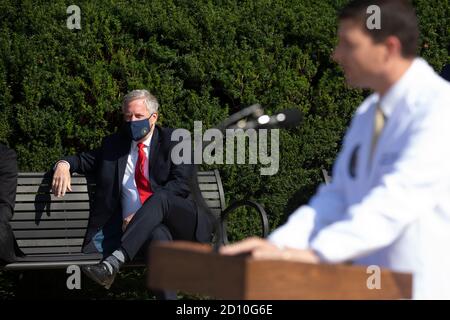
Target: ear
(394, 46)
(154, 117)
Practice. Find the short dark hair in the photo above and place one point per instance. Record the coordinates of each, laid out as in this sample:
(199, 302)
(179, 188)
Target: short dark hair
(398, 18)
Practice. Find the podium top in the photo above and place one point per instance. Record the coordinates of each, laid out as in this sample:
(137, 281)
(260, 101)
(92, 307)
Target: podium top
(196, 268)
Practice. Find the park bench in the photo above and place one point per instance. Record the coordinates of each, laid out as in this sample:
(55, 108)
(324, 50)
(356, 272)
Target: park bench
(50, 231)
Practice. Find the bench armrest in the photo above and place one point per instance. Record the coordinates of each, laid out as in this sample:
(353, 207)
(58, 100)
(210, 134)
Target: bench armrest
(242, 203)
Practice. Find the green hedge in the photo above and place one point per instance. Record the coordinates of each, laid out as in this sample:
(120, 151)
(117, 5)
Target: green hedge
(60, 90)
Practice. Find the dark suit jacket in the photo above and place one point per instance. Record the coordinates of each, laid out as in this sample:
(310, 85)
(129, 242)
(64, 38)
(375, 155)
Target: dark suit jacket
(107, 164)
(8, 184)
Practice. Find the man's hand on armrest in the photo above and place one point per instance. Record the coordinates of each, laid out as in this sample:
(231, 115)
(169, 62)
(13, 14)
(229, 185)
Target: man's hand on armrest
(61, 179)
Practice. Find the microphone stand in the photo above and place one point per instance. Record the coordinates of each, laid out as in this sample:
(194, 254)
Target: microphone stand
(253, 111)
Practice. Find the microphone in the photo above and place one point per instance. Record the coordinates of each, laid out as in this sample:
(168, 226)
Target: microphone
(253, 111)
(284, 119)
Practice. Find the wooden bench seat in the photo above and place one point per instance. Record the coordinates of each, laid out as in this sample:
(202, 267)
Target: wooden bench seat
(50, 230)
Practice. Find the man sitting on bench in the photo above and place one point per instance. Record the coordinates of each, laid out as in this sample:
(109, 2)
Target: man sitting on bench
(141, 195)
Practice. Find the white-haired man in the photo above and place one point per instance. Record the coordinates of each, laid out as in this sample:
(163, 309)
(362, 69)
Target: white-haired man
(141, 195)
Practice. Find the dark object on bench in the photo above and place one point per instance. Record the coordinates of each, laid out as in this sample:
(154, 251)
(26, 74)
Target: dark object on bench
(50, 230)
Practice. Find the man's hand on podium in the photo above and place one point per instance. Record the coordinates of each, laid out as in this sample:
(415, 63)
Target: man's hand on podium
(264, 250)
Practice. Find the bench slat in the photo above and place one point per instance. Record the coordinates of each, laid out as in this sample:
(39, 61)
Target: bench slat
(43, 174)
(39, 234)
(206, 179)
(45, 197)
(54, 215)
(50, 242)
(46, 181)
(205, 173)
(62, 257)
(35, 188)
(47, 250)
(209, 186)
(52, 206)
(210, 195)
(57, 224)
(33, 174)
(213, 203)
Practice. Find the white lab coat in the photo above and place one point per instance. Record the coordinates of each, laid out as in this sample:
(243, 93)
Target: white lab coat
(396, 212)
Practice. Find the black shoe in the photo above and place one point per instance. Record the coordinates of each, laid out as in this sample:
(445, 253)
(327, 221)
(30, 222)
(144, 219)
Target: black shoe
(100, 273)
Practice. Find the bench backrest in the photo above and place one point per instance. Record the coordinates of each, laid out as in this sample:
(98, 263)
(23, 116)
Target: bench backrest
(45, 224)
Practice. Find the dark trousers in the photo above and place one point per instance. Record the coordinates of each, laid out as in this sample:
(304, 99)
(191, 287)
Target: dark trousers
(162, 217)
(160, 233)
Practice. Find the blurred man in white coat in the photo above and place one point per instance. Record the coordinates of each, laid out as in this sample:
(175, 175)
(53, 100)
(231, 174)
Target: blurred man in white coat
(389, 200)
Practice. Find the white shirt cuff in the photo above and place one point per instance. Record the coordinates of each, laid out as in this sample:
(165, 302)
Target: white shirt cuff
(61, 161)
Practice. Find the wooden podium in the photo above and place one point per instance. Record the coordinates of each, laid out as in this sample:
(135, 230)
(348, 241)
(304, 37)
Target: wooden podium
(195, 268)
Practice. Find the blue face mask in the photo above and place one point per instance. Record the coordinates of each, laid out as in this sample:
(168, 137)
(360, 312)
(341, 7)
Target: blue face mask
(138, 129)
